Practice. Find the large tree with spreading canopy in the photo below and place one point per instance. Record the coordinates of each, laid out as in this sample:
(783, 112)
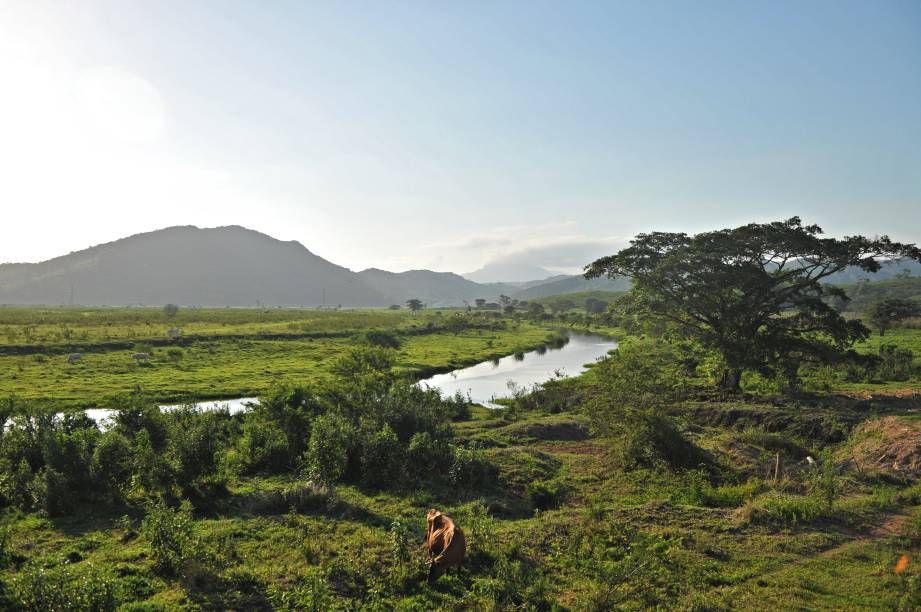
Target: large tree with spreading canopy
(753, 294)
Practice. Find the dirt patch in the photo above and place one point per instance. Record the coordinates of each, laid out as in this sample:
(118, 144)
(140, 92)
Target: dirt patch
(890, 445)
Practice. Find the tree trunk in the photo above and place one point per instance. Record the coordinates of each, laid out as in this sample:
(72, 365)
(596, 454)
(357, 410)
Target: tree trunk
(729, 382)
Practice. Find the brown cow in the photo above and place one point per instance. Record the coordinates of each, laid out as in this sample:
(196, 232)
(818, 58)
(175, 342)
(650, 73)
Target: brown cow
(446, 542)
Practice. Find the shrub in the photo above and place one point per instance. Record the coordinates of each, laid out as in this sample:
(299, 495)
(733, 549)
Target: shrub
(649, 440)
(381, 458)
(169, 532)
(424, 453)
(470, 469)
(262, 447)
(480, 530)
(111, 465)
(381, 338)
(546, 494)
(327, 455)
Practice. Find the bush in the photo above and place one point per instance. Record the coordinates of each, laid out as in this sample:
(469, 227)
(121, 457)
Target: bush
(381, 338)
(641, 439)
(424, 454)
(480, 531)
(546, 494)
(169, 532)
(381, 458)
(470, 469)
(111, 465)
(327, 455)
(262, 447)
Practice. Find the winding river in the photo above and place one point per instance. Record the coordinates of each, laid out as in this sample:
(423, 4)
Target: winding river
(487, 381)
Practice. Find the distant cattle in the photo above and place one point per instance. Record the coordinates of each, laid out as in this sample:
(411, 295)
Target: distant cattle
(74, 357)
(140, 356)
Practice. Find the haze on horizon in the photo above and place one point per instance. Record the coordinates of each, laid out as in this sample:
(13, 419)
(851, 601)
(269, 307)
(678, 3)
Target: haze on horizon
(410, 135)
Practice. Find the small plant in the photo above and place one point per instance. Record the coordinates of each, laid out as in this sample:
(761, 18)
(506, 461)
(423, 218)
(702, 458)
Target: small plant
(823, 482)
(399, 542)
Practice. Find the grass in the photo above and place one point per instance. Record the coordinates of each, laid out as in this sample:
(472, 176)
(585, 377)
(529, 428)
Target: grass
(223, 353)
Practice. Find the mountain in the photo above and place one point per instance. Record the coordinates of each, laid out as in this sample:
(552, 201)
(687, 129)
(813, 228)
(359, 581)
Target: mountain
(223, 266)
(433, 288)
(235, 266)
(571, 284)
(507, 271)
(889, 269)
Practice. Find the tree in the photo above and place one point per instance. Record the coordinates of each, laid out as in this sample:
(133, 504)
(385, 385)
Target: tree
(505, 300)
(883, 313)
(595, 306)
(752, 294)
(170, 310)
(480, 302)
(414, 304)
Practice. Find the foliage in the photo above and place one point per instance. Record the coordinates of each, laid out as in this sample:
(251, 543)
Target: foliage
(169, 533)
(886, 311)
(381, 458)
(753, 294)
(60, 590)
(327, 455)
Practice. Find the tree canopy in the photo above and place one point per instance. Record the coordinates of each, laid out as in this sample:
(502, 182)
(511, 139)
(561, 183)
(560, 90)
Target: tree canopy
(754, 294)
(883, 313)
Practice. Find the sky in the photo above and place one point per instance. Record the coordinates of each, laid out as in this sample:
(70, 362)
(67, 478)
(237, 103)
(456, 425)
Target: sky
(446, 135)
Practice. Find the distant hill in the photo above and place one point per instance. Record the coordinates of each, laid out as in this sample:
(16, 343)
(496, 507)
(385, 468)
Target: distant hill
(572, 284)
(433, 288)
(508, 272)
(235, 266)
(890, 269)
(223, 266)
(865, 293)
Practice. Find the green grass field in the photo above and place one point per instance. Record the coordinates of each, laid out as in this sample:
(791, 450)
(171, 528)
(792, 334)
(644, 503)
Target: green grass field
(222, 353)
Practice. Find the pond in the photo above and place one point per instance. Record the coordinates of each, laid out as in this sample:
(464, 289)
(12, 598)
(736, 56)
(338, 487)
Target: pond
(490, 380)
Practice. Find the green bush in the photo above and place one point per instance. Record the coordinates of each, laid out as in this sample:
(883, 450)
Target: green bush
(262, 447)
(381, 338)
(470, 469)
(381, 458)
(643, 439)
(546, 494)
(424, 453)
(111, 465)
(327, 455)
(169, 532)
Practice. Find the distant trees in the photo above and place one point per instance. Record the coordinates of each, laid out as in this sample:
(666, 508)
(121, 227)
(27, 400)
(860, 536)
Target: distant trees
(595, 306)
(171, 310)
(414, 304)
(480, 302)
(752, 294)
(883, 313)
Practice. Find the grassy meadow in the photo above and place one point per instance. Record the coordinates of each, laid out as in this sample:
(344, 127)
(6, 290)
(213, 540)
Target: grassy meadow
(221, 353)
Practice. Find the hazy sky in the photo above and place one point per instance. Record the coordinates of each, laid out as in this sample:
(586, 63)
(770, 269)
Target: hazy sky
(444, 134)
